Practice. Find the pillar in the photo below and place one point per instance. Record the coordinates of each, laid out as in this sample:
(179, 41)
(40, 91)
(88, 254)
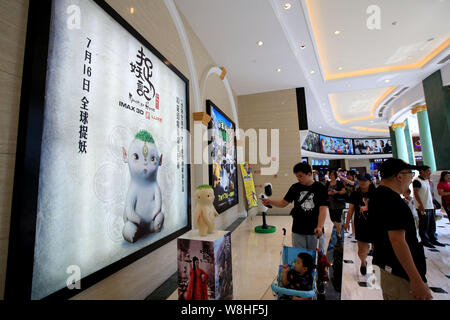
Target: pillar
(393, 143)
(425, 136)
(402, 151)
(409, 144)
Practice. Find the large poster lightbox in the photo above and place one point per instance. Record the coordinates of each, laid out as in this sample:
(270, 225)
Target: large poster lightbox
(223, 158)
(102, 172)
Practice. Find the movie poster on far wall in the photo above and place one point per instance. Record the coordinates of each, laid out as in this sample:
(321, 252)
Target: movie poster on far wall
(223, 164)
(114, 162)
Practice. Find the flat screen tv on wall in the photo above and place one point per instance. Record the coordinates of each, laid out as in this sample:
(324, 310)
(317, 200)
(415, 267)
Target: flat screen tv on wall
(102, 173)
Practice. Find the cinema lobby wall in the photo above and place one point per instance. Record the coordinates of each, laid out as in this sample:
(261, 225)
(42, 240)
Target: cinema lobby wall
(154, 22)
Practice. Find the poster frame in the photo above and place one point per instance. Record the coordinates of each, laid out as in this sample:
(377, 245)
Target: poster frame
(19, 273)
(210, 104)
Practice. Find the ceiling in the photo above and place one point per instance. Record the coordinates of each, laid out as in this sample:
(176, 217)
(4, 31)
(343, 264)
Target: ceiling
(356, 54)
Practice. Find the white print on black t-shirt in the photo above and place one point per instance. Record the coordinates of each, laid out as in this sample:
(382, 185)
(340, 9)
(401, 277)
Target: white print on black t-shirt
(308, 204)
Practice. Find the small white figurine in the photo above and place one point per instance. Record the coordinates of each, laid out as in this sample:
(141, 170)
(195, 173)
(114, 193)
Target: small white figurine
(204, 212)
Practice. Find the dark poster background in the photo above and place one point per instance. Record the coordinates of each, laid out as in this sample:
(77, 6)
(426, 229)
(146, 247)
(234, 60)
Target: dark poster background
(223, 163)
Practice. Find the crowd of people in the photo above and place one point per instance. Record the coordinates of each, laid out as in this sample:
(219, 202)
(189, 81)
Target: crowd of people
(384, 218)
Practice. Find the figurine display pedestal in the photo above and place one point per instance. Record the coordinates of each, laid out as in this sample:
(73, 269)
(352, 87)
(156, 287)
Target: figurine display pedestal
(204, 266)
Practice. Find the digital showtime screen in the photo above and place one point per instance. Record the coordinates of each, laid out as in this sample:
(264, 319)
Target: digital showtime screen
(114, 175)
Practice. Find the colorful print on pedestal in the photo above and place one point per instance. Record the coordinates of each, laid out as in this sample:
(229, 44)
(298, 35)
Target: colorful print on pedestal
(223, 164)
(204, 266)
(224, 272)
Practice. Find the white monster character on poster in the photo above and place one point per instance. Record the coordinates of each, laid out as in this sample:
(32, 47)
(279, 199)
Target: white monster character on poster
(114, 164)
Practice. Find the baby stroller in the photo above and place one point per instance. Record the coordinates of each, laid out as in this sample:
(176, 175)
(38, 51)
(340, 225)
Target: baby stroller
(289, 256)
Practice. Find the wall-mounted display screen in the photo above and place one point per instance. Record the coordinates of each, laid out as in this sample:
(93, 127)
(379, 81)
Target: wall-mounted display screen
(312, 142)
(334, 145)
(320, 162)
(345, 146)
(114, 181)
(222, 150)
(372, 146)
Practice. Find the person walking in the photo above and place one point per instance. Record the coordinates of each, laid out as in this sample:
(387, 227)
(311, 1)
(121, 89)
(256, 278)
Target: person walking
(424, 204)
(397, 252)
(336, 198)
(443, 189)
(310, 208)
(359, 209)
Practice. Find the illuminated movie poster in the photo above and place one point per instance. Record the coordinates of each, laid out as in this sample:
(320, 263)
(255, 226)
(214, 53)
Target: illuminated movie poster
(114, 162)
(223, 164)
(372, 146)
(249, 185)
(312, 142)
(336, 145)
(417, 145)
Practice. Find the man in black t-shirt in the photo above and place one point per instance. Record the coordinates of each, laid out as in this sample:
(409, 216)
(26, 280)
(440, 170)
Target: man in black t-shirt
(397, 251)
(310, 208)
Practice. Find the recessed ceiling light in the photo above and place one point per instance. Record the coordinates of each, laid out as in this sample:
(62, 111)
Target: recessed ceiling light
(131, 10)
(340, 68)
(337, 32)
(320, 127)
(312, 72)
(387, 80)
(260, 43)
(287, 6)
(278, 70)
(302, 47)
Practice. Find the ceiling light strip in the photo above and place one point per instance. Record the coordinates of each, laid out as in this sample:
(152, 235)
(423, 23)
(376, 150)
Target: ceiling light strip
(365, 72)
(372, 116)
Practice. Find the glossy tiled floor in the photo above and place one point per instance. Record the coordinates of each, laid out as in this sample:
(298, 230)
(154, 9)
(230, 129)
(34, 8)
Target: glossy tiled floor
(256, 258)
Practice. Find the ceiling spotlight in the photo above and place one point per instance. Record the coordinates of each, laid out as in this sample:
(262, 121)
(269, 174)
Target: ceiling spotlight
(287, 6)
(387, 81)
(337, 32)
(302, 47)
(260, 43)
(131, 10)
(278, 70)
(312, 72)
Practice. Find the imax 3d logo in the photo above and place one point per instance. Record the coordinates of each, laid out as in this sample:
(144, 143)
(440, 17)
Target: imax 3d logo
(74, 280)
(373, 22)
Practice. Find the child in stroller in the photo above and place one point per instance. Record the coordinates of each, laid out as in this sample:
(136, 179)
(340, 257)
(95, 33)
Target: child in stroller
(300, 277)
